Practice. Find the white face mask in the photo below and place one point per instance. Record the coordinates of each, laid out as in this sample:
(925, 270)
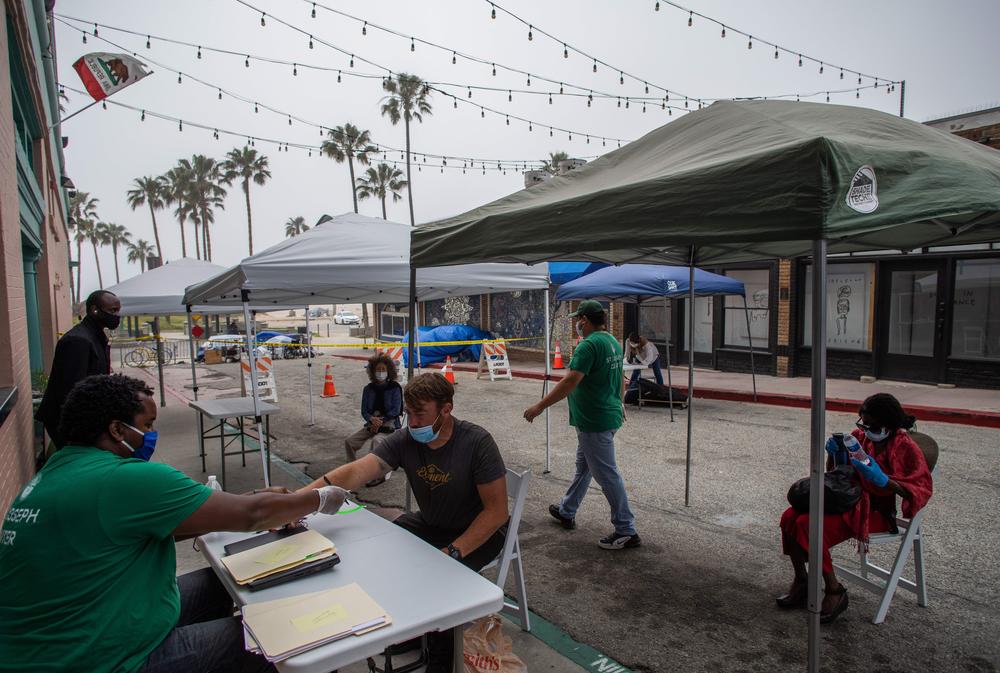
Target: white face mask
(877, 436)
(381, 376)
(633, 346)
(579, 329)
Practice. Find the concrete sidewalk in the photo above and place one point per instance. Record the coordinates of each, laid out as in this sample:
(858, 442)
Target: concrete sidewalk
(967, 406)
(178, 446)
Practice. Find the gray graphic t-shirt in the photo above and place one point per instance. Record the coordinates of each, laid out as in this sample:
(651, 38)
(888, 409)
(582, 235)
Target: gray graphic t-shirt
(444, 480)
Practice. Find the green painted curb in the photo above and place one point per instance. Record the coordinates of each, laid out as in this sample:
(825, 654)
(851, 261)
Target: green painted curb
(585, 656)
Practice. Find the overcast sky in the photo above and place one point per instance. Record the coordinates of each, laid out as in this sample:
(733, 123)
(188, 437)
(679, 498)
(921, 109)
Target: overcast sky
(946, 52)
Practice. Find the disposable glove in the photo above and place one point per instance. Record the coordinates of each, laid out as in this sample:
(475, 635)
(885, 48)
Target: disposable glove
(330, 499)
(872, 472)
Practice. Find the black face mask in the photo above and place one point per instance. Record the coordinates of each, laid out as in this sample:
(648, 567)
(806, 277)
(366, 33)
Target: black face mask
(109, 320)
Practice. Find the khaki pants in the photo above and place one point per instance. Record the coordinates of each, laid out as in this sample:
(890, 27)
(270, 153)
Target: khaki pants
(362, 439)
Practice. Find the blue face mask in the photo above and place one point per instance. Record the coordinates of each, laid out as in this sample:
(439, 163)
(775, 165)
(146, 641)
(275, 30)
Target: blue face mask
(144, 452)
(425, 434)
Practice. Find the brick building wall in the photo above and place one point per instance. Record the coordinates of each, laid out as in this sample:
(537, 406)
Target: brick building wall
(17, 438)
(987, 135)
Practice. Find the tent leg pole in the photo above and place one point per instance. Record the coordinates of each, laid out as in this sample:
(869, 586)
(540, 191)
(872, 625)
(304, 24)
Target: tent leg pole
(262, 438)
(817, 452)
(309, 366)
(753, 370)
(666, 339)
(416, 337)
(159, 359)
(194, 374)
(690, 327)
(409, 349)
(545, 384)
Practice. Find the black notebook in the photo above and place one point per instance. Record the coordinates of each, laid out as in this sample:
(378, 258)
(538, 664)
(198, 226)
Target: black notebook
(303, 570)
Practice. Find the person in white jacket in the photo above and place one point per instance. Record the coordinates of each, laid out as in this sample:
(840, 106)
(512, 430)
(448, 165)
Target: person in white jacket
(639, 350)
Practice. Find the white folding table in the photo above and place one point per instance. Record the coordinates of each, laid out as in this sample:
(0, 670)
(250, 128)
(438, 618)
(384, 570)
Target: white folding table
(229, 414)
(420, 587)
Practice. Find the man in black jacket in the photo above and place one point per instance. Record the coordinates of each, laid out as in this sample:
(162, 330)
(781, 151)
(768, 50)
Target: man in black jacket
(83, 351)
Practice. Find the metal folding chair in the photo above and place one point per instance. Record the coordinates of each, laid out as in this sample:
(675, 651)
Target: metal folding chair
(510, 555)
(885, 581)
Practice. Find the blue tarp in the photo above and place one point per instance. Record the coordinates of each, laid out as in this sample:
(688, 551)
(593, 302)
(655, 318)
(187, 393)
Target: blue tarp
(564, 272)
(431, 354)
(639, 282)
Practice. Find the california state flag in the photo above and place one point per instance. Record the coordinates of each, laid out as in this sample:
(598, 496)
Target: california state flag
(103, 74)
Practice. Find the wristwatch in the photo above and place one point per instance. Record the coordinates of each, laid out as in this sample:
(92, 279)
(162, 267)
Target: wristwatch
(454, 552)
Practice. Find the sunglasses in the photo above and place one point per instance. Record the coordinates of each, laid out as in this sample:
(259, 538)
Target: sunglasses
(861, 426)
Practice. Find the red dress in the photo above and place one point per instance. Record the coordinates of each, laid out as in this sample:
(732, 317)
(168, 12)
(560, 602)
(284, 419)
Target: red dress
(903, 462)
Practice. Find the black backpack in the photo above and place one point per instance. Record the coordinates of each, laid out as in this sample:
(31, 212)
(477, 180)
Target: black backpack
(842, 491)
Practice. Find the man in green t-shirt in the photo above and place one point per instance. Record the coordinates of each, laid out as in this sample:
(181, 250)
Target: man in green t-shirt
(594, 385)
(88, 575)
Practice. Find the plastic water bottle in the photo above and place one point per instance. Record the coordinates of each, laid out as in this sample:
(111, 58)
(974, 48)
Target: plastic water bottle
(857, 453)
(213, 483)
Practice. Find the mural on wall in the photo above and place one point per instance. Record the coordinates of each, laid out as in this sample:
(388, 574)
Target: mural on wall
(519, 314)
(452, 311)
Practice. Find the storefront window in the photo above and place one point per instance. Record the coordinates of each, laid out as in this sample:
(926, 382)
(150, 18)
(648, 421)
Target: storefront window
(704, 307)
(653, 321)
(393, 321)
(756, 283)
(849, 306)
(976, 323)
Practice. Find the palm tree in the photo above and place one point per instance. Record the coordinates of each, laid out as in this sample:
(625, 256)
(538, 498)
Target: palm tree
(380, 182)
(350, 143)
(149, 191)
(138, 252)
(407, 99)
(295, 226)
(551, 165)
(98, 235)
(117, 235)
(82, 208)
(201, 195)
(175, 183)
(246, 165)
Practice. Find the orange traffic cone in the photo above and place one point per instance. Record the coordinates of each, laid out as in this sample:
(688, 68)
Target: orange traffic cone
(329, 390)
(557, 362)
(449, 374)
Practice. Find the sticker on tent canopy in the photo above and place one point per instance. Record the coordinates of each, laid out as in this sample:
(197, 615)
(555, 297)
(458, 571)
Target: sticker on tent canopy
(863, 194)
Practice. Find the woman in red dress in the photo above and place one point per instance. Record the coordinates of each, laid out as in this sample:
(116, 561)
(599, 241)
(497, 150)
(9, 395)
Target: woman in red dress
(887, 463)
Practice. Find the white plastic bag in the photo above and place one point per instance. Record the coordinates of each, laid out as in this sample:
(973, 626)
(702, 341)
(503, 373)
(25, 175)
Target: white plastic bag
(488, 650)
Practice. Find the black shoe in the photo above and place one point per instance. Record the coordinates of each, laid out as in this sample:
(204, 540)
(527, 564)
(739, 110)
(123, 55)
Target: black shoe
(405, 646)
(440, 651)
(565, 522)
(796, 598)
(839, 608)
(616, 541)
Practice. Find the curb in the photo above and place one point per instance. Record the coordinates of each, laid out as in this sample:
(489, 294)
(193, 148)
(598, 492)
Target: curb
(983, 419)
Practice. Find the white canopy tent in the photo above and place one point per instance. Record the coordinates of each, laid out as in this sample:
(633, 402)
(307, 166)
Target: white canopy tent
(352, 258)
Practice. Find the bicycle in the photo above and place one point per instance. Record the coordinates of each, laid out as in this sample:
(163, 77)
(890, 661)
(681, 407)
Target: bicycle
(145, 356)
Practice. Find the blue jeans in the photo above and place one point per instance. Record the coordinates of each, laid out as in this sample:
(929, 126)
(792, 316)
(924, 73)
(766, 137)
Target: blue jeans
(207, 638)
(595, 456)
(657, 374)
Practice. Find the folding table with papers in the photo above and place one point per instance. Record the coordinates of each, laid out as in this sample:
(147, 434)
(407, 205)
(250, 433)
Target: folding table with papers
(421, 588)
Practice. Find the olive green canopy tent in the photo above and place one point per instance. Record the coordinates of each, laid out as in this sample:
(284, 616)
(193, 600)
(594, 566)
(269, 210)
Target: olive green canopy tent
(742, 181)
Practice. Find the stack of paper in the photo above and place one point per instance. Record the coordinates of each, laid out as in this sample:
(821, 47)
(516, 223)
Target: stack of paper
(288, 626)
(278, 556)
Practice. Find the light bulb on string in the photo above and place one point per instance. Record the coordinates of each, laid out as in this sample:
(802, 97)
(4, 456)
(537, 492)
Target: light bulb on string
(470, 92)
(827, 96)
(530, 127)
(529, 80)
(530, 35)
(670, 112)
(84, 34)
(685, 102)
(295, 70)
(199, 52)
(565, 51)
(690, 19)
(647, 86)
(510, 96)
(800, 60)
(595, 61)
(255, 108)
(626, 103)
(178, 78)
(821, 67)
(841, 73)
(220, 94)
(482, 113)
(775, 53)
(723, 31)
(338, 77)
(750, 42)
(413, 45)
(570, 136)
(246, 63)
(352, 60)
(216, 134)
(604, 142)
(859, 79)
(310, 152)
(656, 7)
(508, 121)
(560, 88)
(550, 98)
(95, 30)
(311, 42)
(550, 131)
(857, 93)
(493, 12)
(621, 77)
(289, 120)
(313, 13)
(644, 108)
(494, 69)
(699, 104)
(454, 60)
(262, 22)
(619, 101)
(148, 45)
(364, 29)
(180, 125)
(455, 101)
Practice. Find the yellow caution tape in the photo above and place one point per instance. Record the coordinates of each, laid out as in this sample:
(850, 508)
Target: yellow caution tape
(386, 344)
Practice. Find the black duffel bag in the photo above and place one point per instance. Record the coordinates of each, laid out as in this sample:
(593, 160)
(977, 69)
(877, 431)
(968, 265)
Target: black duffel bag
(842, 492)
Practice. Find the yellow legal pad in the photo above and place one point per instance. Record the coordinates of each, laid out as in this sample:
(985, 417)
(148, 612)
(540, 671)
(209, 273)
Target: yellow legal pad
(283, 628)
(277, 556)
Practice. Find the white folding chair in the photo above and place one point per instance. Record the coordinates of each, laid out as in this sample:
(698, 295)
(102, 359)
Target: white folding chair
(909, 538)
(510, 555)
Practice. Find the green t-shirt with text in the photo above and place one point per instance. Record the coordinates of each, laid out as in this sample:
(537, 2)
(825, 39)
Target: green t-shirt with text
(595, 405)
(87, 566)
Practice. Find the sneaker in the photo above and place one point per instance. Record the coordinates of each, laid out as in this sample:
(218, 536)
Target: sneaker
(616, 541)
(565, 522)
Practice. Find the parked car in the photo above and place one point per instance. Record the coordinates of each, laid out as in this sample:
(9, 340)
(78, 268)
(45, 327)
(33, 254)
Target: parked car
(346, 318)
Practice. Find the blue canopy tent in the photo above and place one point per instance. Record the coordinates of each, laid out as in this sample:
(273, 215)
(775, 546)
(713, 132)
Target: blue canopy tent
(650, 284)
(563, 272)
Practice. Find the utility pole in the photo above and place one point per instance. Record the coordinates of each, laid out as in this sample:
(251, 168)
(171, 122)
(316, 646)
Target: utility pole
(902, 96)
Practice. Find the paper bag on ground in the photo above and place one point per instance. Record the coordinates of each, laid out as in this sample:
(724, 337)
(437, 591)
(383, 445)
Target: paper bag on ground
(288, 626)
(277, 556)
(488, 650)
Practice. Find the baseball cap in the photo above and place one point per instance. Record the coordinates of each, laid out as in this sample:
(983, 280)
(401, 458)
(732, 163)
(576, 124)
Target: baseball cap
(587, 307)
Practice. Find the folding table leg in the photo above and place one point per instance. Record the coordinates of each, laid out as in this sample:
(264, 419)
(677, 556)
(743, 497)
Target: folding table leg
(201, 439)
(243, 444)
(458, 658)
(222, 449)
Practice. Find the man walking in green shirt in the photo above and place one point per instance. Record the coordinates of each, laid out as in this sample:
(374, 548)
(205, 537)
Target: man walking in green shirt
(594, 385)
